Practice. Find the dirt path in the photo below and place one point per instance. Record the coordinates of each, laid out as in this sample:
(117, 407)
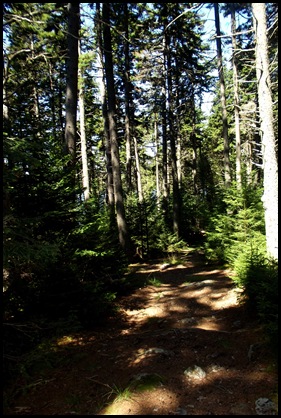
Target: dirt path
(182, 345)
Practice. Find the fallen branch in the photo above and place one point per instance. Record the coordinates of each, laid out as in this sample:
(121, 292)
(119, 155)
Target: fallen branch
(98, 382)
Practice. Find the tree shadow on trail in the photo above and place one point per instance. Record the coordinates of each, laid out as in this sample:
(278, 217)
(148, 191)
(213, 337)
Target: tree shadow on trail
(189, 318)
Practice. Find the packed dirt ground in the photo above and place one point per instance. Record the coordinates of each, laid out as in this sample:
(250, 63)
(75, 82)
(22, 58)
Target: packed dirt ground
(182, 345)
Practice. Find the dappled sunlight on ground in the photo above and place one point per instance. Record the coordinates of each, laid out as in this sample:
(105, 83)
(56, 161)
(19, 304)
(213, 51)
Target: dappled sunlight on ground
(191, 317)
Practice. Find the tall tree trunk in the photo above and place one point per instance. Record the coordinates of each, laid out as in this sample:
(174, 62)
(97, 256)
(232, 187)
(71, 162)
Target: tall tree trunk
(128, 120)
(72, 79)
(194, 145)
(129, 117)
(227, 178)
(270, 167)
(158, 193)
(138, 172)
(236, 98)
(85, 171)
(164, 138)
(109, 187)
(59, 88)
(8, 164)
(117, 183)
(35, 108)
(164, 157)
(52, 101)
(172, 138)
(178, 138)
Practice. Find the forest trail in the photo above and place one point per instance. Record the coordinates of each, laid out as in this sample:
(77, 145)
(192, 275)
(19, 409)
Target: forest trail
(181, 345)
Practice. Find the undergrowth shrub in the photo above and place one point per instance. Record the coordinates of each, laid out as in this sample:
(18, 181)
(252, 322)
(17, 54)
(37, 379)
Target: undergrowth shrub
(241, 223)
(168, 242)
(258, 276)
(58, 286)
(236, 236)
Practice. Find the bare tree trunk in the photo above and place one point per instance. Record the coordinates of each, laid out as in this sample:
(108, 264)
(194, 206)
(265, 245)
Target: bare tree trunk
(35, 108)
(128, 119)
(60, 109)
(227, 178)
(249, 156)
(158, 193)
(52, 101)
(7, 160)
(164, 158)
(85, 171)
(194, 145)
(270, 167)
(117, 183)
(72, 79)
(139, 185)
(178, 138)
(164, 138)
(172, 136)
(236, 99)
(109, 188)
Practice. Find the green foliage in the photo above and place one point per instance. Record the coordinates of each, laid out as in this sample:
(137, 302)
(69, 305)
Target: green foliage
(169, 242)
(118, 393)
(148, 227)
(22, 249)
(69, 283)
(63, 265)
(258, 276)
(154, 282)
(237, 236)
(241, 224)
(95, 249)
(195, 216)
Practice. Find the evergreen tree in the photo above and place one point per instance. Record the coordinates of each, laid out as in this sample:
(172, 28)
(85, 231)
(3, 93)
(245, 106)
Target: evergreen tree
(153, 159)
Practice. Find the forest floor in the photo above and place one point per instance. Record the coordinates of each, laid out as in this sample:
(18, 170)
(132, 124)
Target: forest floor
(181, 345)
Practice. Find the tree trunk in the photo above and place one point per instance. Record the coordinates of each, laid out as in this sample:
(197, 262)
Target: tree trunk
(172, 137)
(109, 188)
(270, 167)
(158, 193)
(60, 108)
(227, 178)
(164, 158)
(236, 99)
(72, 79)
(172, 133)
(139, 185)
(85, 171)
(128, 121)
(52, 101)
(194, 145)
(164, 138)
(8, 164)
(117, 184)
(178, 139)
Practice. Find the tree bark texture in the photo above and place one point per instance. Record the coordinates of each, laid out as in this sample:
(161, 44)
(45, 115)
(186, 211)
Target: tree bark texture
(128, 119)
(115, 160)
(270, 167)
(109, 181)
(172, 138)
(227, 178)
(72, 78)
(138, 172)
(164, 139)
(85, 171)
(236, 99)
(158, 192)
